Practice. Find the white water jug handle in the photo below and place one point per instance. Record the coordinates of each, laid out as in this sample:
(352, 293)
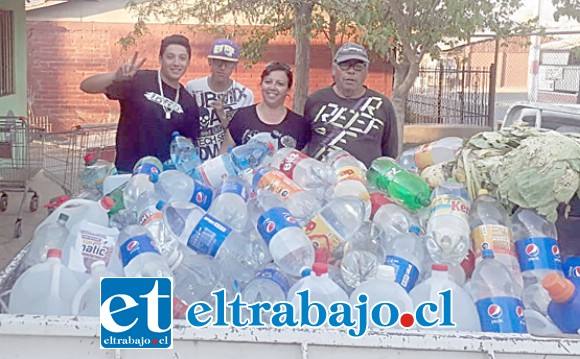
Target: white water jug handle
(79, 295)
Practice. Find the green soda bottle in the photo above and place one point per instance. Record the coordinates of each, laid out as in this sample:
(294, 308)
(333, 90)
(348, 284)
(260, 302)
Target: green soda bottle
(117, 196)
(405, 187)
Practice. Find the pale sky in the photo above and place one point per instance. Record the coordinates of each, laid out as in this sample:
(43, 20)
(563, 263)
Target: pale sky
(530, 8)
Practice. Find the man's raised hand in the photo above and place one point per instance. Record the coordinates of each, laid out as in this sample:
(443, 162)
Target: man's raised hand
(128, 70)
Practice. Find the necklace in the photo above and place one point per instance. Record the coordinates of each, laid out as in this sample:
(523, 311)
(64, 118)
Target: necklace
(167, 111)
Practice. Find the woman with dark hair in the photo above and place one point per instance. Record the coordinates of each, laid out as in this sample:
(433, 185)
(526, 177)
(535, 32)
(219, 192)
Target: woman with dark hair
(270, 115)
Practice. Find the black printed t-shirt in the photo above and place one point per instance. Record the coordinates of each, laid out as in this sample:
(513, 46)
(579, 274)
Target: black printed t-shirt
(293, 131)
(143, 129)
(366, 127)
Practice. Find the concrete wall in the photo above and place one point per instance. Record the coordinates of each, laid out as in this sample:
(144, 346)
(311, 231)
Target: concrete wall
(61, 54)
(16, 104)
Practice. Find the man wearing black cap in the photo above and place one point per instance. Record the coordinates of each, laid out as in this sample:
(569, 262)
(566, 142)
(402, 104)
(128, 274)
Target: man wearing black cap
(219, 95)
(153, 103)
(350, 116)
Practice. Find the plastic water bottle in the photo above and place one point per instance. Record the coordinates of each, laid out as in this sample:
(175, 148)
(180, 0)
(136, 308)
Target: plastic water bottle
(268, 285)
(363, 254)
(184, 154)
(230, 204)
(241, 158)
(564, 309)
(95, 172)
(320, 289)
(289, 246)
(302, 204)
(448, 231)
(351, 180)
(173, 185)
(421, 157)
(402, 186)
(490, 226)
(538, 253)
(149, 217)
(87, 300)
(145, 169)
(334, 272)
(46, 288)
(307, 172)
(338, 220)
(204, 234)
(49, 235)
(140, 254)
(463, 311)
(406, 253)
(195, 276)
(497, 297)
(394, 219)
(383, 288)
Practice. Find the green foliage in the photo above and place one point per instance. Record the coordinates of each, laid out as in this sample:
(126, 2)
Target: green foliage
(567, 8)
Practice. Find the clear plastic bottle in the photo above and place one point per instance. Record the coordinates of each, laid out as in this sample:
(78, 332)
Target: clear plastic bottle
(173, 185)
(497, 297)
(140, 254)
(230, 203)
(421, 157)
(95, 172)
(289, 246)
(394, 219)
(49, 235)
(184, 154)
(539, 254)
(490, 226)
(145, 169)
(46, 288)
(338, 220)
(448, 239)
(406, 253)
(149, 217)
(87, 300)
(351, 178)
(363, 254)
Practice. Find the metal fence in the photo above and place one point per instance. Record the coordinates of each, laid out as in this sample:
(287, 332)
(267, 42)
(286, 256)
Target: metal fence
(452, 95)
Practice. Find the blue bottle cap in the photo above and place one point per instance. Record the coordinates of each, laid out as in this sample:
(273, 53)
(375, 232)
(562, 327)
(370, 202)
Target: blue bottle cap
(487, 253)
(306, 272)
(175, 134)
(415, 229)
(160, 204)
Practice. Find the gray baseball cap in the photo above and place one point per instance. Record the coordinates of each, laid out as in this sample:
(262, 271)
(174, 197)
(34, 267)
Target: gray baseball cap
(351, 51)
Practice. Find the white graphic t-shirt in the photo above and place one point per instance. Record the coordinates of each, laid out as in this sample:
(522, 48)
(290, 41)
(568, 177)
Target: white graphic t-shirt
(212, 132)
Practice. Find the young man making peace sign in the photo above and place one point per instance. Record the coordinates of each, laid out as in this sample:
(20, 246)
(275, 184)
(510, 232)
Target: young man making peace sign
(153, 103)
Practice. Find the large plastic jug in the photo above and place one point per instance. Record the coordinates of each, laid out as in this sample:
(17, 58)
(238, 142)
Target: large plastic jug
(463, 310)
(47, 288)
(87, 300)
(78, 209)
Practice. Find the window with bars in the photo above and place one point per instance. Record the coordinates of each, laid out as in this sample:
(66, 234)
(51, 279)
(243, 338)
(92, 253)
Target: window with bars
(6, 52)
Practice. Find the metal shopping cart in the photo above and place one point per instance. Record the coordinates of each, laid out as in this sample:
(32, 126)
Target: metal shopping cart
(21, 158)
(64, 152)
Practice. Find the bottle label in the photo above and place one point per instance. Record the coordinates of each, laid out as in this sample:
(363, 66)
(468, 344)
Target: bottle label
(495, 237)
(277, 182)
(235, 188)
(214, 171)
(572, 267)
(93, 243)
(275, 276)
(135, 246)
(406, 273)
(146, 168)
(290, 162)
(449, 204)
(352, 173)
(208, 236)
(501, 315)
(273, 221)
(322, 234)
(539, 253)
(424, 156)
(149, 215)
(202, 195)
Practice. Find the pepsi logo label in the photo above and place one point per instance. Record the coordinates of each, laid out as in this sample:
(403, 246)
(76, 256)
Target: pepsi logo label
(519, 311)
(199, 197)
(289, 218)
(575, 272)
(532, 250)
(132, 245)
(556, 250)
(270, 226)
(494, 311)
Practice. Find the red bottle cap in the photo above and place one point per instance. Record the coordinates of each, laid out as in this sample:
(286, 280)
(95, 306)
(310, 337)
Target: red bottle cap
(378, 199)
(320, 268)
(54, 253)
(107, 203)
(90, 158)
(559, 288)
(439, 267)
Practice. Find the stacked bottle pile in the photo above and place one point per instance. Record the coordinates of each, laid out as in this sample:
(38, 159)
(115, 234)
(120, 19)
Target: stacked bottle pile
(267, 223)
